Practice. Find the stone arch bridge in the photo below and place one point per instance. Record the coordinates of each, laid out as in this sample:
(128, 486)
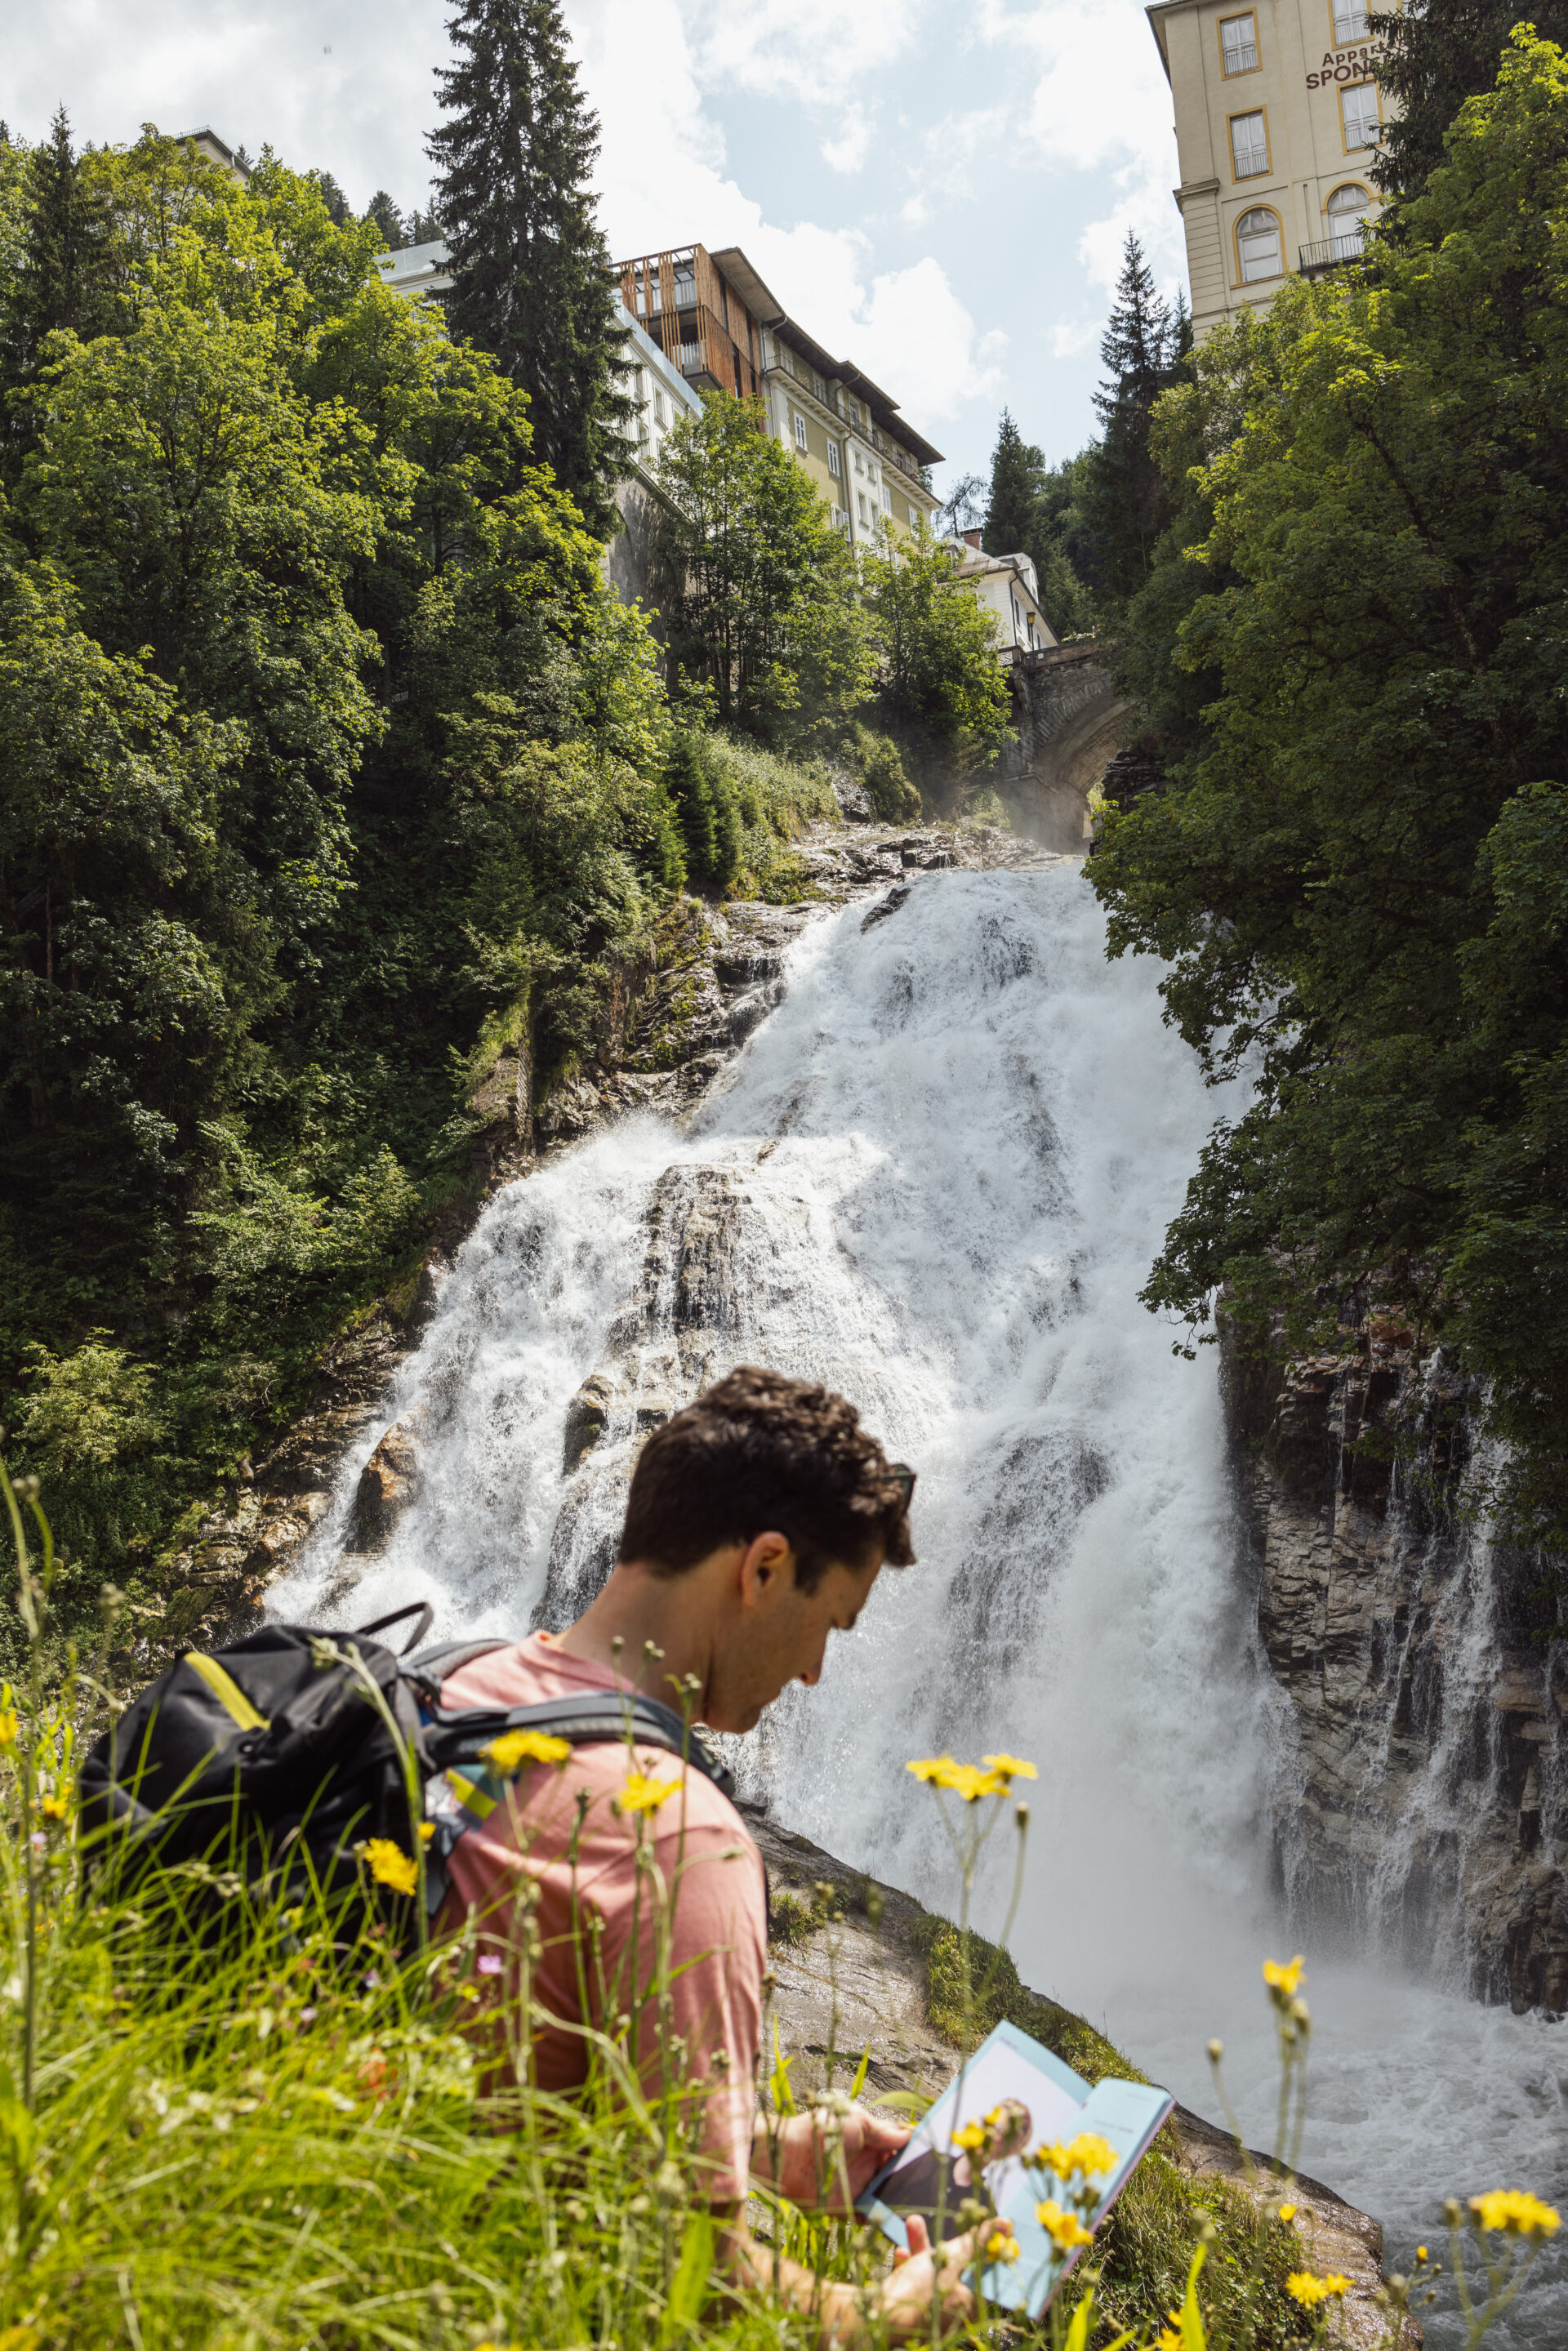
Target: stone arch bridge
(1070, 722)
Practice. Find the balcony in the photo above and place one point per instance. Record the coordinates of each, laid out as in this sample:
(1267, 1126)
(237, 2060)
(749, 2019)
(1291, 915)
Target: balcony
(1330, 251)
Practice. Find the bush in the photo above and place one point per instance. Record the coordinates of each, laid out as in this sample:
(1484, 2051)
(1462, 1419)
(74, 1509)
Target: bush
(879, 764)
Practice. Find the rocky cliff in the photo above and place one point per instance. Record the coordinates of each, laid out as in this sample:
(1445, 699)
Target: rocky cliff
(1427, 1802)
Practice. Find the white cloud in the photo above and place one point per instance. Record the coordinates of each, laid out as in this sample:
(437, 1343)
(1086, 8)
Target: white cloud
(1081, 118)
(848, 152)
(662, 181)
(1071, 338)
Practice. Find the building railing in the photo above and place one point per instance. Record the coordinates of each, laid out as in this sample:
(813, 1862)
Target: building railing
(1329, 251)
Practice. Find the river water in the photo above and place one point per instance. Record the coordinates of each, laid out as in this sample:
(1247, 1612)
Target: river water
(935, 1178)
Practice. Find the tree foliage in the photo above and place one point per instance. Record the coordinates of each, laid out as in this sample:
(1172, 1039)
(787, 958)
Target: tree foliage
(532, 280)
(1127, 506)
(321, 745)
(758, 591)
(1027, 513)
(1356, 873)
(940, 687)
(1429, 61)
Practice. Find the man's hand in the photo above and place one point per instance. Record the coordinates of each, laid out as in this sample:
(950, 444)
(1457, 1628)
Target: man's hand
(820, 2154)
(920, 2278)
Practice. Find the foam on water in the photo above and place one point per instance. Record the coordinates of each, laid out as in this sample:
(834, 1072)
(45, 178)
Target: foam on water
(956, 1145)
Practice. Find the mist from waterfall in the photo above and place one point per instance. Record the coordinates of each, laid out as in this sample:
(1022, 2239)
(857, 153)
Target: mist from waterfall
(935, 1178)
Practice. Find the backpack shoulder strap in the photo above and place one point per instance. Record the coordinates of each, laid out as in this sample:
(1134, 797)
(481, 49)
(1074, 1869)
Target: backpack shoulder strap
(597, 1718)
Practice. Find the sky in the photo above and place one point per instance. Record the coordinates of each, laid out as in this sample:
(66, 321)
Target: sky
(937, 189)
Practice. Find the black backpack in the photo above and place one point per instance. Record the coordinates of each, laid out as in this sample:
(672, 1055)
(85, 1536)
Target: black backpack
(272, 1756)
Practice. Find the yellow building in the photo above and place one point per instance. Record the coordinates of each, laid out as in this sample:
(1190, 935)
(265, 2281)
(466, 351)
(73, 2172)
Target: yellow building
(1278, 122)
(711, 312)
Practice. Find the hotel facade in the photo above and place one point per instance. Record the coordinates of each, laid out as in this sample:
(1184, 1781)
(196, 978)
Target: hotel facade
(713, 315)
(1278, 122)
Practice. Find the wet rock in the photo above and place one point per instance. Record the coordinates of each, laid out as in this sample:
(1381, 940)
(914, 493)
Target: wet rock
(587, 1418)
(388, 1483)
(854, 799)
(1431, 1784)
(887, 906)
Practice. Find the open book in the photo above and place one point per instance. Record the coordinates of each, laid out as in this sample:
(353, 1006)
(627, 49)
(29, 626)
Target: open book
(1010, 2099)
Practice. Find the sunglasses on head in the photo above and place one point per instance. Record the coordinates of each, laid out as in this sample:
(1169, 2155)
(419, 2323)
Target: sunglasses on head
(902, 1477)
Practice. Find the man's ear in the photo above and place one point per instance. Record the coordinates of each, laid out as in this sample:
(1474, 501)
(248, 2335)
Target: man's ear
(766, 1569)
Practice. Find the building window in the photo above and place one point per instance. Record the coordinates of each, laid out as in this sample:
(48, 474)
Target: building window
(860, 501)
(886, 499)
(800, 432)
(1347, 210)
(1239, 44)
(1358, 113)
(835, 463)
(914, 517)
(1248, 146)
(1349, 20)
(859, 463)
(658, 405)
(1258, 244)
(819, 388)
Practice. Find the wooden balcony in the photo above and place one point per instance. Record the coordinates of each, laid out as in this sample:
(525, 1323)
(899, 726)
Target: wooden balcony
(681, 301)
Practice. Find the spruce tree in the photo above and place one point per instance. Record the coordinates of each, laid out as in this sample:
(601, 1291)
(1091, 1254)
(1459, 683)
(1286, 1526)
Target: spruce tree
(389, 220)
(332, 196)
(1016, 468)
(64, 276)
(1127, 502)
(532, 280)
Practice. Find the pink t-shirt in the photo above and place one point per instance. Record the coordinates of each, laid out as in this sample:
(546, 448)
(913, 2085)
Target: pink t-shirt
(706, 1892)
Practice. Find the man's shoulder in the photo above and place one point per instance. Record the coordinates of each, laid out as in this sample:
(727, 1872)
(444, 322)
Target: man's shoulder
(533, 1672)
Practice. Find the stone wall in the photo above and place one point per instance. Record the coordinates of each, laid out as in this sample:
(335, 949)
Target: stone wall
(1069, 721)
(1431, 1761)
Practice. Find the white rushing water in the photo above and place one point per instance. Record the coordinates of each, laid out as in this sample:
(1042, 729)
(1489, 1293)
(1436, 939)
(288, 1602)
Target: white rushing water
(937, 1178)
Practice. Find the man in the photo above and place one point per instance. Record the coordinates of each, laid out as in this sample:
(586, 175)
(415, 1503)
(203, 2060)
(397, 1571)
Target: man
(623, 1883)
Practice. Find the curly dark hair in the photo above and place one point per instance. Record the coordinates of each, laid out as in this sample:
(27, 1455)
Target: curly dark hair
(759, 1452)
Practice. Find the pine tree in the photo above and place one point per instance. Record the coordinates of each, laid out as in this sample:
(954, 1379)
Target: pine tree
(64, 277)
(533, 282)
(389, 220)
(1016, 468)
(1127, 501)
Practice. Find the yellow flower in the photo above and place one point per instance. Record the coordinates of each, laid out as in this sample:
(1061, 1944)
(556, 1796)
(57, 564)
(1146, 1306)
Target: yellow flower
(8, 1727)
(1422, 2254)
(1282, 1979)
(1166, 2341)
(1008, 1767)
(1002, 2247)
(644, 1795)
(390, 1866)
(426, 1830)
(965, 1780)
(1287, 2211)
(1091, 2156)
(512, 1749)
(1515, 2214)
(1309, 2290)
(53, 1808)
(971, 2138)
(1065, 2230)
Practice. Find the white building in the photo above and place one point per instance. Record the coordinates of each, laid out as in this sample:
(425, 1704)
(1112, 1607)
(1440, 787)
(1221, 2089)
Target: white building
(1006, 586)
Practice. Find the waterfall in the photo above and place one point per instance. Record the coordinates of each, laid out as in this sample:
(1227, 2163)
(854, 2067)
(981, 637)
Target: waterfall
(935, 1178)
